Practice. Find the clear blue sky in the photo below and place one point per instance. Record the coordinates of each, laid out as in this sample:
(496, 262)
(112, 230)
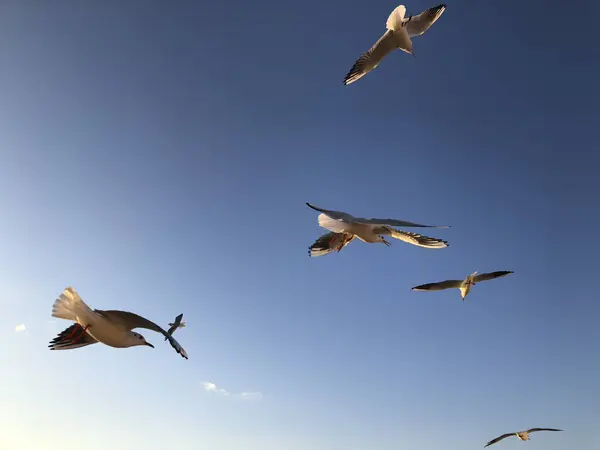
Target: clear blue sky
(157, 156)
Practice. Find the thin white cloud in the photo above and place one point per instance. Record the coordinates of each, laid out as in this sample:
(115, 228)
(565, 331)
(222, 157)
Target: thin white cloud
(249, 396)
(212, 387)
(20, 328)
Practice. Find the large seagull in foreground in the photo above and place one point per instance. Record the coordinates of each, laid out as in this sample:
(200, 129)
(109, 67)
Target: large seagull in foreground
(522, 435)
(344, 228)
(399, 31)
(464, 285)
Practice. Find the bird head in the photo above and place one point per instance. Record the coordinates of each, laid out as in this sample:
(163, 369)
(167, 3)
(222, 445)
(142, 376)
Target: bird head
(138, 339)
(384, 241)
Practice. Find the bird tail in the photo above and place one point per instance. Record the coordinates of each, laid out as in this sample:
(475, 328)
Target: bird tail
(70, 306)
(396, 18)
(337, 226)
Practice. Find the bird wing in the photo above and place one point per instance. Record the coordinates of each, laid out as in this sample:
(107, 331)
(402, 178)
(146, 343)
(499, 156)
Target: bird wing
(499, 438)
(490, 276)
(71, 338)
(533, 430)
(175, 324)
(372, 57)
(329, 242)
(128, 321)
(338, 215)
(417, 25)
(448, 284)
(412, 238)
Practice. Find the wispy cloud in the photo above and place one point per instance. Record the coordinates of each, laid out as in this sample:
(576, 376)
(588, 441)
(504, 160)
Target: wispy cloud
(251, 396)
(20, 328)
(212, 387)
(248, 396)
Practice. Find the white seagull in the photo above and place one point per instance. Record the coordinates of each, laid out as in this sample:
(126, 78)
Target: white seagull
(345, 228)
(399, 31)
(464, 285)
(112, 328)
(522, 435)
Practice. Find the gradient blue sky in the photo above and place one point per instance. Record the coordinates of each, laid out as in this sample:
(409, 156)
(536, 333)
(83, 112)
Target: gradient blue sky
(157, 156)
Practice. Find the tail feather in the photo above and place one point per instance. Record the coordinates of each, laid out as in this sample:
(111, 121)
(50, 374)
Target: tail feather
(70, 306)
(396, 18)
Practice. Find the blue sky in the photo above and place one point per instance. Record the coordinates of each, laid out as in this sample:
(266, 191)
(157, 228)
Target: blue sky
(157, 157)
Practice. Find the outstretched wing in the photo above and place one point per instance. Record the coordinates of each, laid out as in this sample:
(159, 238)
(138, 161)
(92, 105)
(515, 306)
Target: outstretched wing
(417, 25)
(330, 242)
(448, 284)
(128, 321)
(490, 276)
(493, 441)
(412, 238)
(533, 430)
(338, 215)
(175, 324)
(372, 57)
(72, 337)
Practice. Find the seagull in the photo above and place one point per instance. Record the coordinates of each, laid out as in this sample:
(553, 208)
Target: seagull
(177, 324)
(344, 228)
(399, 31)
(522, 435)
(110, 327)
(464, 285)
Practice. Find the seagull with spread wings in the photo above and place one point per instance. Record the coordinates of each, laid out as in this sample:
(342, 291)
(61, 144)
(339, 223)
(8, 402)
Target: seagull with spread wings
(522, 435)
(344, 228)
(399, 31)
(464, 285)
(113, 328)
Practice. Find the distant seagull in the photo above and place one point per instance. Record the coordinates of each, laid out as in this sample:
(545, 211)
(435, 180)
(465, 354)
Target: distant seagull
(343, 226)
(464, 285)
(177, 324)
(112, 328)
(522, 435)
(398, 34)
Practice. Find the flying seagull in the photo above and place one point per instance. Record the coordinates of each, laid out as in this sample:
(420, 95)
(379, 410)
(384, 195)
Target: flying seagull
(522, 435)
(399, 31)
(464, 285)
(344, 228)
(110, 327)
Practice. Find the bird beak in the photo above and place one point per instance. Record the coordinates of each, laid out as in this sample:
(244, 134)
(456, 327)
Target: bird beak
(387, 243)
(149, 344)
(413, 53)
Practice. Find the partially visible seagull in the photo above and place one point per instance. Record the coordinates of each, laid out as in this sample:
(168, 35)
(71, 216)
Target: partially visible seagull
(398, 34)
(344, 228)
(464, 285)
(522, 435)
(110, 327)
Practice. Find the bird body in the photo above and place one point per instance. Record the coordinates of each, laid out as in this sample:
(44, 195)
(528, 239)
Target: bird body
(465, 285)
(521, 435)
(344, 228)
(398, 35)
(110, 327)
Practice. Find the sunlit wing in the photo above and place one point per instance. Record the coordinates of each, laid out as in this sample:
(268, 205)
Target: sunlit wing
(448, 284)
(412, 238)
(417, 25)
(490, 276)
